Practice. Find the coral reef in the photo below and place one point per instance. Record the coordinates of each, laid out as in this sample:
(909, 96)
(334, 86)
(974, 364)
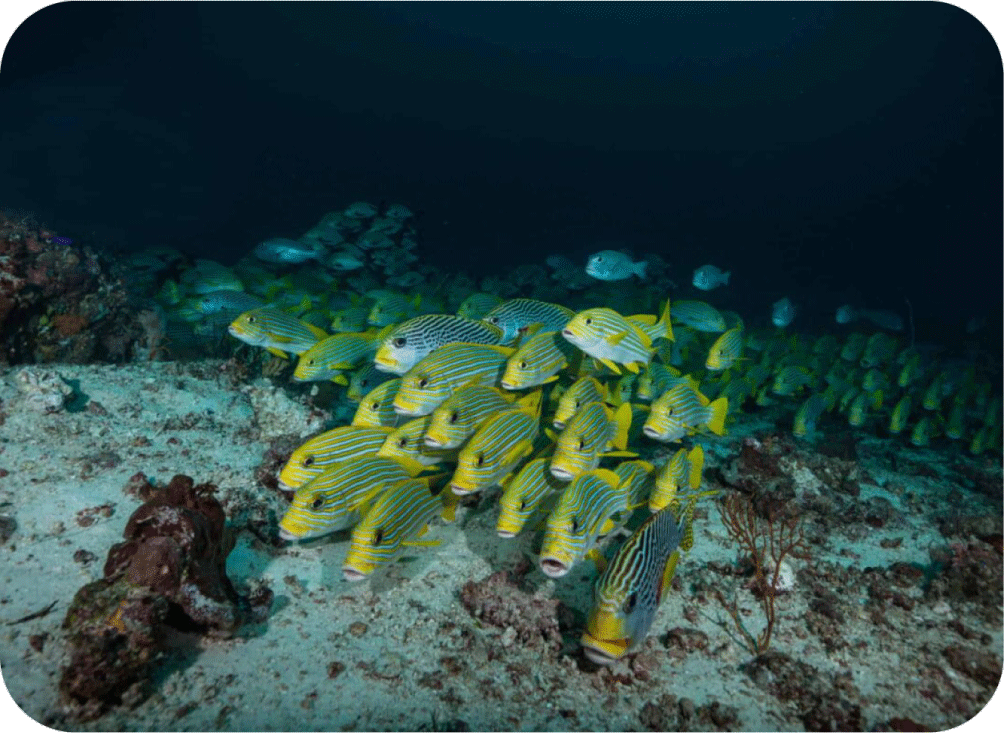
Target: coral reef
(168, 574)
(59, 302)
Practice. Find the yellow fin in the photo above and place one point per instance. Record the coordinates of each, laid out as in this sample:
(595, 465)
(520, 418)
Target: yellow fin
(615, 338)
(340, 379)
(422, 543)
(607, 475)
(276, 352)
(622, 420)
(632, 367)
(696, 460)
(667, 575)
(320, 333)
(719, 409)
(620, 454)
(597, 557)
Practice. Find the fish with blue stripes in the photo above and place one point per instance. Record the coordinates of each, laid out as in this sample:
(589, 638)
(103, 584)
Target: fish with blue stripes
(628, 593)
(409, 343)
(698, 315)
(524, 493)
(539, 360)
(683, 411)
(808, 414)
(584, 390)
(337, 497)
(478, 305)
(683, 469)
(333, 355)
(726, 351)
(463, 412)
(376, 408)
(497, 448)
(330, 447)
(430, 382)
(614, 340)
(276, 331)
(589, 435)
(515, 316)
(408, 441)
(364, 380)
(398, 517)
(585, 510)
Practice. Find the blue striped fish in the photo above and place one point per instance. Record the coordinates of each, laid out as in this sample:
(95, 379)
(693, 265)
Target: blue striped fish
(336, 497)
(614, 340)
(523, 493)
(654, 380)
(634, 476)
(376, 409)
(328, 448)
(538, 361)
(409, 343)
(363, 380)
(682, 411)
(459, 417)
(430, 382)
(594, 429)
(275, 331)
(398, 517)
(582, 392)
(727, 349)
(497, 448)
(584, 511)
(698, 315)
(683, 469)
(408, 441)
(477, 305)
(331, 356)
(628, 593)
(517, 315)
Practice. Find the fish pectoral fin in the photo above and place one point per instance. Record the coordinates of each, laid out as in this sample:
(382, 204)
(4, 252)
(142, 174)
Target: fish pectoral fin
(320, 333)
(276, 352)
(632, 366)
(620, 454)
(341, 379)
(597, 557)
(615, 338)
(611, 366)
(667, 575)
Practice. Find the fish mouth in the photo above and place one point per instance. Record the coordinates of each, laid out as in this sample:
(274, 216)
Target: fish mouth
(283, 486)
(506, 534)
(600, 651)
(433, 442)
(652, 433)
(406, 411)
(508, 385)
(460, 490)
(559, 425)
(553, 568)
(568, 333)
(352, 575)
(562, 474)
(285, 534)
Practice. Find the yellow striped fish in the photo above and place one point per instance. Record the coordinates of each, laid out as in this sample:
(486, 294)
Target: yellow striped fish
(518, 314)
(391, 307)
(328, 448)
(350, 320)
(523, 493)
(331, 356)
(879, 349)
(594, 429)
(698, 315)
(655, 380)
(376, 409)
(275, 331)
(413, 340)
(853, 346)
(584, 511)
(683, 469)
(727, 349)
(459, 417)
(790, 379)
(477, 305)
(336, 497)
(538, 361)
(497, 448)
(808, 414)
(363, 380)
(408, 441)
(923, 431)
(682, 411)
(397, 518)
(430, 382)
(900, 415)
(628, 593)
(582, 392)
(613, 340)
(634, 476)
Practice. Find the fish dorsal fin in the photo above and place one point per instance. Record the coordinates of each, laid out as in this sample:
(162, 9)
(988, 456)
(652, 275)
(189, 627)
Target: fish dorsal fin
(341, 379)
(701, 398)
(611, 366)
(276, 352)
(605, 474)
(412, 466)
(532, 402)
(503, 350)
(315, 330)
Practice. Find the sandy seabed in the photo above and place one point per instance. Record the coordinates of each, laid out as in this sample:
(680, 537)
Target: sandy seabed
(893, 620)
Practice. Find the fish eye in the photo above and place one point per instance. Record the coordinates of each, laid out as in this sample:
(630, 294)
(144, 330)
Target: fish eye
(378, 536)
(589, 321)
(454, 416)
(402, 442)
(577, 404)
(494, 320)
(582, 444)
(575, 524)
(481, 459)
(522, 505)
(376, 405)
(630, 603)
(522, 365)
(400, 341)
(423, 383)
(251, 319)
(599, 258)
(310, 362)
(308, 461)
(318, 502)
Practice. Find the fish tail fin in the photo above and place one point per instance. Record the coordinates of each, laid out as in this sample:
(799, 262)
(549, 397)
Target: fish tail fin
(640, 268)
(719, 409)
(726, 276)
(696, 460)
(622, 417)
(664, 328)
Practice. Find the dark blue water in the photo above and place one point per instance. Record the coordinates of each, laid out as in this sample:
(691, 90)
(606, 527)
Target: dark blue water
(829, 152)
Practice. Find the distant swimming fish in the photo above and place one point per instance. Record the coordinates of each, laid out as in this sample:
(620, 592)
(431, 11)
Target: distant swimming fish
(611, 265)
(709, 277)
(782, 313)
(284, 251)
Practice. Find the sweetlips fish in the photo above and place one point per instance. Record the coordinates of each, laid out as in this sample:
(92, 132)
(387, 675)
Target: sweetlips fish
(879, 349)
(613, 340)
(376, 408)
(628, 593)
(398, 517)
(727, 349)
(407, 442)
(611, 265)
(283, 251)
(538, 361)
(698, 315)
(523, 493)
(463, 412)
(683, 469)
(337, 497)
(588, 436)
(432, 380)
(228, 301)
(584, 511)
(364, 379)
(418, 337)
(477, 305)
(782, 313)
(350, 320)
(709, 277)
(808, 414)
(515, 316)
(332, 355)
(585, 390)
(324, 450)
(497, 448)
(276, 331)
(682, 411)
